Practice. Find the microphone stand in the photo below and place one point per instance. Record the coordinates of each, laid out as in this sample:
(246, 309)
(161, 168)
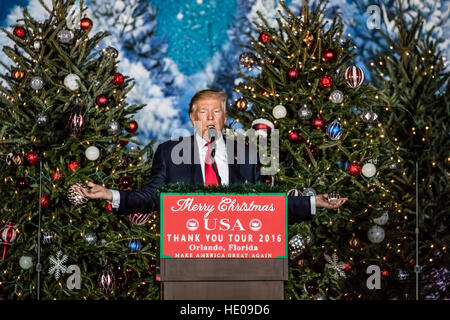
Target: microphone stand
(38, 264)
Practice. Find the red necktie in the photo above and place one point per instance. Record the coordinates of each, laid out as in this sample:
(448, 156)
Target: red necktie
(210, 176)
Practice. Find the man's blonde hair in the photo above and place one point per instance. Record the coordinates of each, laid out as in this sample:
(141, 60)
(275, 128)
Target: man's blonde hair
(209, 94)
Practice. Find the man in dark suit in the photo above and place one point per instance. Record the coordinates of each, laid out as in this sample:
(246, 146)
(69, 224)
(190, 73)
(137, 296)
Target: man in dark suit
(200, 160)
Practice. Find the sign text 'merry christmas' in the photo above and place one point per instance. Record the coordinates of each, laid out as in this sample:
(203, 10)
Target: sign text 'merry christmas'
(226, 205)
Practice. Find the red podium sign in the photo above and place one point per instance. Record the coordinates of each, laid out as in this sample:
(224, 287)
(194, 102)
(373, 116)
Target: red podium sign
(216, 225)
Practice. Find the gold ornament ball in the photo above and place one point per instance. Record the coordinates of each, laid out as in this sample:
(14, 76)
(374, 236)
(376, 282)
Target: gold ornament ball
(354, 242)
(241, 104)
(17, 74)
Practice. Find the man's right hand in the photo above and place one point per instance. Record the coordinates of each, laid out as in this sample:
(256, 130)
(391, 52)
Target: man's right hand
(95, 192)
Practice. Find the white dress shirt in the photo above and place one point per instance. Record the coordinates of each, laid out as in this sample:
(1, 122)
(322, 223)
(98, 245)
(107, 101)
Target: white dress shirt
(222, 167)
(220, 157)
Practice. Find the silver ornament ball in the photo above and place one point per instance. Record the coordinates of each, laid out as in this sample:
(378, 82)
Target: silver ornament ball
(298, 244)
(48, 236)
(304, 113)
(369, 170)
(36, 83)
(279, 111)
(114, 128)
(36, 46)
(90, 238)
(309, 192)
(65, 36)
(111, 52)
(337, 96)
(26, 262)
(369, 117)
(71, 81)
(42, 119)
(92, 153)
(375, 234)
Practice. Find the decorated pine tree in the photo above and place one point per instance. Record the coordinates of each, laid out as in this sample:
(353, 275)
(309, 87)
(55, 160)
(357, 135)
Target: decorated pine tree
(65, 120)
(331, 142)
(412, 74)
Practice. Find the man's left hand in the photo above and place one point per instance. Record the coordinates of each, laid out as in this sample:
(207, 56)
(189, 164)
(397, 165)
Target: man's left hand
(322, 201)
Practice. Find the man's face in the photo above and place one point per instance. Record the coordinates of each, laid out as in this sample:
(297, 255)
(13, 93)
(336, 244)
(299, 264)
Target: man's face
(210, 113)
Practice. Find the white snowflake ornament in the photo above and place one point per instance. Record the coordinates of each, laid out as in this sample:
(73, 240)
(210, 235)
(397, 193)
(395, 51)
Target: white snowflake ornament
(58, 264)
(338, 267)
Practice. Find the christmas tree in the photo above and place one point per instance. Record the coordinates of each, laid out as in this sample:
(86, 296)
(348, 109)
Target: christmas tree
(63, 114)
(412, 74)
(331, 141)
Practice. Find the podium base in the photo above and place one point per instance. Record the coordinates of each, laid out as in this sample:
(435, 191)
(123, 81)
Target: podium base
(223, 290)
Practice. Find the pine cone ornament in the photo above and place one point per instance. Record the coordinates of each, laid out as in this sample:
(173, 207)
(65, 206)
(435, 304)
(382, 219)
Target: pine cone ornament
(76, 121)
(74, 197)
(123, 163)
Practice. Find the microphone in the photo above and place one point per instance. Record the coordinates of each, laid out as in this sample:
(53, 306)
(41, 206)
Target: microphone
(212, 135)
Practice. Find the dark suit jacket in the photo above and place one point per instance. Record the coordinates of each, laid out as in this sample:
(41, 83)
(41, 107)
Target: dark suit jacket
(165, 171)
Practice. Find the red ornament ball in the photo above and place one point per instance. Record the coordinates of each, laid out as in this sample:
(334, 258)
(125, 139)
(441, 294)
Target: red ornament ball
(85, 24)
(22, 183)
(294, 136)
(73, 165)
(132, 126)
(264, 38)
(329, 55)
(56, 175)
(318, 123)
(125, 182)
(292, 74)
(108, 206)
(354, 169)
(7, 234)
(311, 288)
(385, 273)
(325, 81)
(118, 79)
(152, 266)
(20, 32)
(102, 100)
(315, 151)
(268, 179)
(123, 143)
(45, 201)
(347, 267)
(32, 157)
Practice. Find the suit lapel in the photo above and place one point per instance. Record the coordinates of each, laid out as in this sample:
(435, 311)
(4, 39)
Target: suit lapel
(234, 175)
(196, 168)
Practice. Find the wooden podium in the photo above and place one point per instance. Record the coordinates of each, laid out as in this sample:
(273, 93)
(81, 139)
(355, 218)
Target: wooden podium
(223, 279)
(230, 277)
